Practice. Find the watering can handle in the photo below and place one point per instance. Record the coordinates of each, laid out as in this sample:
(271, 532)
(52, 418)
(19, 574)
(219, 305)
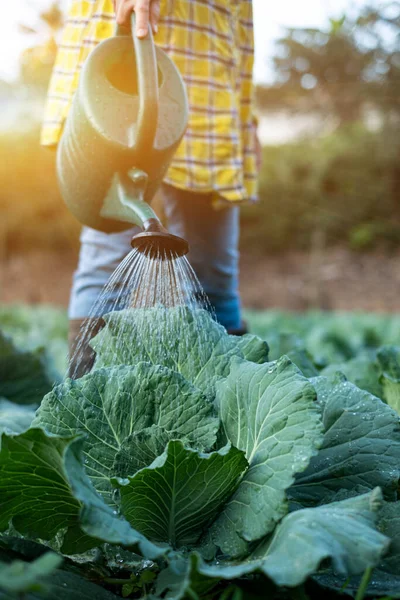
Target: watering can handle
(147, 75)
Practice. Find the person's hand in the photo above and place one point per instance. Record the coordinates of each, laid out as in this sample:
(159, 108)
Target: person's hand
(147, 11)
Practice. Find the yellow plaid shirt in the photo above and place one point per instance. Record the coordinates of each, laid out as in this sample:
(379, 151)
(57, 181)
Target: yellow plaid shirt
(211, 43)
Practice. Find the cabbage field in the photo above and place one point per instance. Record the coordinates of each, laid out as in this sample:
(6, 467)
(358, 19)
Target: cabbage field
(260, 467)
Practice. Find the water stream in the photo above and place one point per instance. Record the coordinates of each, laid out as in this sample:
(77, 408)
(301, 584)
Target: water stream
(141, 282)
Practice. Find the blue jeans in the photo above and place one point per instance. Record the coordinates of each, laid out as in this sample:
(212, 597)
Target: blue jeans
(213, 236)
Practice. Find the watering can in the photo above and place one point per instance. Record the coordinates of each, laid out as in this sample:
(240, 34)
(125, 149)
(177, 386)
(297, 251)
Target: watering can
(128, 116)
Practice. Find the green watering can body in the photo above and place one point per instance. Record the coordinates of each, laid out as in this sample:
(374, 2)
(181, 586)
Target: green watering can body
(128, 116)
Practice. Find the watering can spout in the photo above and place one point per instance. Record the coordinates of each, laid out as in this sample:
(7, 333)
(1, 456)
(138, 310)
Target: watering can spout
(125, 199)
(124, 202)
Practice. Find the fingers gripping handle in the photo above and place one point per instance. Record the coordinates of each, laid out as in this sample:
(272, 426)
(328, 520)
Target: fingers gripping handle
(147, 75)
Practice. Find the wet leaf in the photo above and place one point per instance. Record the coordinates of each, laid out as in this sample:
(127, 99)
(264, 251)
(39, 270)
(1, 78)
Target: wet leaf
(111, 404)
(15, 418)
(342, 532)
(187, 341)
(180, 494)
(20, 576)
(361, 445)
(44, 488)
(269, 412)
(24, 377)
(389, 363)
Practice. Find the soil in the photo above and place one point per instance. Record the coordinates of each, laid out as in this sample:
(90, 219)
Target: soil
(335, 279)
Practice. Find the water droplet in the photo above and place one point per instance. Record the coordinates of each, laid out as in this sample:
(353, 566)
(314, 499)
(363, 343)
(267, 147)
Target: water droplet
(121, 481)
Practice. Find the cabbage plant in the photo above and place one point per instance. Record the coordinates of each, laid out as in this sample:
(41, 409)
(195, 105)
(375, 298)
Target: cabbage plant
(186, 462)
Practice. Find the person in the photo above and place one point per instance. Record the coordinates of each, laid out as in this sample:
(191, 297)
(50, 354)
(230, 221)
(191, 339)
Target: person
(215, 167)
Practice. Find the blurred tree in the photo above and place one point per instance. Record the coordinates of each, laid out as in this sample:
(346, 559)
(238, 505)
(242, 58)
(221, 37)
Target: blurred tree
(37, 61)
(338, 71)
(381, 30)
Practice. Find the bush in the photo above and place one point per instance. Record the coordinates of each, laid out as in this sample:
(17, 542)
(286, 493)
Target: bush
(345, 184)
(33, 213)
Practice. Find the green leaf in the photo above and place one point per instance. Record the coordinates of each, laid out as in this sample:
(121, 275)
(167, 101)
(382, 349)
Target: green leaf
(303, 361)
(180, 493)
(140, 449)
(20, 576)
(187, 341)
(23, 375)
(147, 577)
(269, 412)
(182, 577)
(363, 371)
(44, 489)
(70, 586)
(15, 418)
(34, 491)
(110, 404)
(389, 363)
(361, 445)
(389, 525)
(127, 589)
(307, 537)
(253, 348)
(329, 345)
(38, 326)
(293, 347)
(385, 586)
(14, 545)
(342, 532)
(76, 541)
(97, 519)
(119, 558)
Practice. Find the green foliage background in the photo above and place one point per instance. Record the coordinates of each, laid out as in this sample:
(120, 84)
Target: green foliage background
(33, 213)
(344, 185)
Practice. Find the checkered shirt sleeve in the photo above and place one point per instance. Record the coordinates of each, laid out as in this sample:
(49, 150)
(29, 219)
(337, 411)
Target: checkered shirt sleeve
(211, 43)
